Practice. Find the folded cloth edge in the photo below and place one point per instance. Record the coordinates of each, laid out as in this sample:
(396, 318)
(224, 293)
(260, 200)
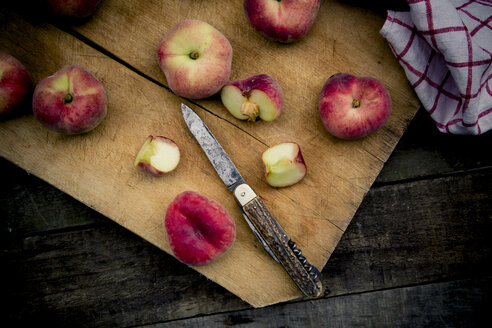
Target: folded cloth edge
(397, 23)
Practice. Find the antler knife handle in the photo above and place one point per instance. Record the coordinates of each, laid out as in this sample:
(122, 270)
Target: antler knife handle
(305, 275)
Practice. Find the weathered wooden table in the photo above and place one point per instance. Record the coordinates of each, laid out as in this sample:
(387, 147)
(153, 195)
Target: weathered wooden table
(416, 253)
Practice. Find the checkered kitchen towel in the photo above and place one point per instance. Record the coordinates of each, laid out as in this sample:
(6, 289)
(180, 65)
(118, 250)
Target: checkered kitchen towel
(445, 48)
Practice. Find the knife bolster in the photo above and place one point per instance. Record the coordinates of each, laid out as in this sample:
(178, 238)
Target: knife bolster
(244, 194)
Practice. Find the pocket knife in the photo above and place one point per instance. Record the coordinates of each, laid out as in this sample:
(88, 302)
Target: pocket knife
(264, 225)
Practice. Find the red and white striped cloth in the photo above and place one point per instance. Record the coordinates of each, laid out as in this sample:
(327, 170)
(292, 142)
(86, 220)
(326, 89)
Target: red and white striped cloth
(445, 48)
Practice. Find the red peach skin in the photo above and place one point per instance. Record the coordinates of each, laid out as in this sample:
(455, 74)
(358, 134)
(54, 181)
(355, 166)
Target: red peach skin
(196, 59)
(199, 228)
(353, 107)
(259, 95)
(73, 8)
(283, 21)
(87, 105)
(15, 83)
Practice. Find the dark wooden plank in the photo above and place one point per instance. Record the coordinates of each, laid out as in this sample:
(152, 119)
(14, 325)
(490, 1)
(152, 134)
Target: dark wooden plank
(29, 205)
(463, 303)
(102, 276)
(424, 151)
(403, 234)
(417, 232)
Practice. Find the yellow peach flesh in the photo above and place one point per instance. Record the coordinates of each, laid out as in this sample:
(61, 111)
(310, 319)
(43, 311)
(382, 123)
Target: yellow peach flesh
(266, 106)
(281, 165)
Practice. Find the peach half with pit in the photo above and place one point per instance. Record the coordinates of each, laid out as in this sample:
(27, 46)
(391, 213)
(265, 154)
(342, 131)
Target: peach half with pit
(258, 96)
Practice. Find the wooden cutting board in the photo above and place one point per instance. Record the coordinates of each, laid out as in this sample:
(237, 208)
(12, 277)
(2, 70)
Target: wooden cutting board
(119, 47)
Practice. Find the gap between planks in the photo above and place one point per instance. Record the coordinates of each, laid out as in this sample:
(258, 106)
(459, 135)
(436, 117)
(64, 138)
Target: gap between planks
(109, 54)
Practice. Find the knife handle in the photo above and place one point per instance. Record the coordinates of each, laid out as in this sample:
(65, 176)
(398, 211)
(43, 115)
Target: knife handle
(305, 275)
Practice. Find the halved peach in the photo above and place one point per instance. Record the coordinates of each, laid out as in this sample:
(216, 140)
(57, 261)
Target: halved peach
(284, 164)
(158, 155)
(256, 96)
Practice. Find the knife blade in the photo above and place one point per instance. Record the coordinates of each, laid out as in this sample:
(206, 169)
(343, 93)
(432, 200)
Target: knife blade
(261, 221)
(225, 168)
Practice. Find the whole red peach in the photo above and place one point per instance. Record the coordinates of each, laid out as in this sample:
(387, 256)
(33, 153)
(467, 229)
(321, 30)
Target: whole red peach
(282, 20)
(196, 59)
(352, 107)
(199, 228)
(71, 101)
(73, 8)
(15, 83)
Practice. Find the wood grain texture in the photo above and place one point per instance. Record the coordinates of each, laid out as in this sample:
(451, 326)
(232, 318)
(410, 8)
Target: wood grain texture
(104, 275)
(422, 153)
(403, 307)
(96, 168)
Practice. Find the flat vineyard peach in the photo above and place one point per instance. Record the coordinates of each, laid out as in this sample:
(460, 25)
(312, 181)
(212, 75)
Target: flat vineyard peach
(199, 228)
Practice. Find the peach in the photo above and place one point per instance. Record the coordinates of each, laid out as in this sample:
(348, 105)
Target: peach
(199, 228)
(15, 84)
(252, 97)
(196, 59)
(158, 155)
(282, 20)
(71, 101)
(352, 107)
(73, 8)
(284, 164)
